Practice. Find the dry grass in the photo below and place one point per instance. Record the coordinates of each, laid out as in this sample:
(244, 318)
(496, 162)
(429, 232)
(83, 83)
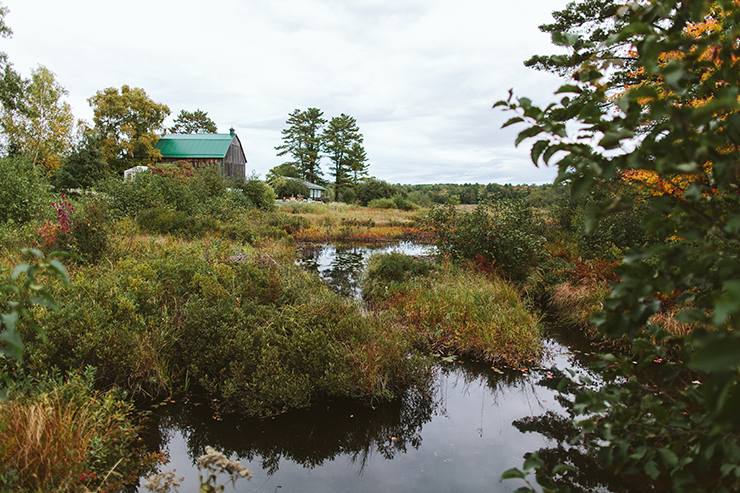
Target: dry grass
(667, 321)
(335, 214)
(46, 443)
(575, 303)
(468, 313)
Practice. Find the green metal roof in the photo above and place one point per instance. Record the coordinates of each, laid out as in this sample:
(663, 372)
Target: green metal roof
(181, 146)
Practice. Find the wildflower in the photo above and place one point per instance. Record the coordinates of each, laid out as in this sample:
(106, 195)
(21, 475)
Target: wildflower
(162, 482)
(216, 462)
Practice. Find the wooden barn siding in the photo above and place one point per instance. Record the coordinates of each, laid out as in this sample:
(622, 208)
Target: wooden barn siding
(231, 170)
(235, 164)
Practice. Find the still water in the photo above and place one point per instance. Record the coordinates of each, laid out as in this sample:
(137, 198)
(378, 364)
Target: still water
(459, 437)
(340, 265)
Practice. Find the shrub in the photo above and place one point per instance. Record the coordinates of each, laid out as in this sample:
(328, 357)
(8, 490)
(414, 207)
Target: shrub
(506, 233)
(373, 189)
(166, 221)
(382, 204)
(289, 187)
(90, 228)
(348, 196)
(460, 311)
(21, 190)
(256, 192)
(403, 203)
(65, 436)
(394, 267)
(84, 167)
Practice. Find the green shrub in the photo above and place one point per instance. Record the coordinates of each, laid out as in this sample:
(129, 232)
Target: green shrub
(90, 226)
(166, 221)
(394, 267)
(238, 232)
(382, 204)
(84, 167)
(348, 196)
(506, 233)
(21, 190)
(256, 193)
(372, 189)
(403, 203)
(262, 336)
(290, 187)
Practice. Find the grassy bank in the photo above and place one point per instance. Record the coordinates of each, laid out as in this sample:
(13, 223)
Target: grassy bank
(456, 310)
(161, 315)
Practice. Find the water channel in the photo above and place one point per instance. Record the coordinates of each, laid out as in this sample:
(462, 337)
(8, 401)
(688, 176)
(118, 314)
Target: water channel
(460, 437)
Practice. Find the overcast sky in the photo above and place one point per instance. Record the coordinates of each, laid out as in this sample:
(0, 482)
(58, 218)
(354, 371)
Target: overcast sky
(419, 76)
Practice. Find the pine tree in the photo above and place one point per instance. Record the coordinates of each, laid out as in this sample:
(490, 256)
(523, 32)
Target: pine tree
(302, 141)
(339, 138)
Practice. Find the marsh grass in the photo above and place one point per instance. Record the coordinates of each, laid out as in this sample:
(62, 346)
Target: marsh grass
(574, 303)
(463, 312)
(66, 437)
(325, 222)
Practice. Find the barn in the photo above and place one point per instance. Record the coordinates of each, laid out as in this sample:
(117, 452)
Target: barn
(224, 150)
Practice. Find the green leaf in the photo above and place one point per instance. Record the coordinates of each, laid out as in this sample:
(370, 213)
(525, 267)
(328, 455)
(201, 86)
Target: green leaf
(19, 269)
(60, 272)
(568, 88)
(533, 462)
(563, 39)
(728, 303)
(10, 319)
(511, 121)
(538, 148)
(513, 473)
(12, 344)
(561, 468)
(525, 134)
(721, 353)
(668, 457)
(651, 469)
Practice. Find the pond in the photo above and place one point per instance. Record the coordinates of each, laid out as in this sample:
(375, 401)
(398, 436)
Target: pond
(461, 436)
(340, 265)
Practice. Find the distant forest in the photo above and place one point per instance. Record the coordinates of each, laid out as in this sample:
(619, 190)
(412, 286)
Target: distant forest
(476, 193)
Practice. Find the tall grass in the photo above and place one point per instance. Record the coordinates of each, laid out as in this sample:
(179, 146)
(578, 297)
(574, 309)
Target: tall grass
(461, 311)
(326, 222)
(66, 437)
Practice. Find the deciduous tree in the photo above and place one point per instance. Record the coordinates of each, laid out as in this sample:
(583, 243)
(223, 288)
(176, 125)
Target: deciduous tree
(12, 85)
(127, 122)
(687, 433)
(285, 169)
(42, 129)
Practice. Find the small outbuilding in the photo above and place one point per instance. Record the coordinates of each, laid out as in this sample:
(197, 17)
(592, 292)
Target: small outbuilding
(224, 150)
(315, 192)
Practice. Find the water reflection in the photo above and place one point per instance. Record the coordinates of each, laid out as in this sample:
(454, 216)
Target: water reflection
(458, 437)
(340, 265)
(307, 438)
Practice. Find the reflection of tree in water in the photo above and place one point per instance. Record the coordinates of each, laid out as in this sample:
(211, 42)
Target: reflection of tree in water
(347, 263)
(588, 474)
(308, 438)
(344, 273)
